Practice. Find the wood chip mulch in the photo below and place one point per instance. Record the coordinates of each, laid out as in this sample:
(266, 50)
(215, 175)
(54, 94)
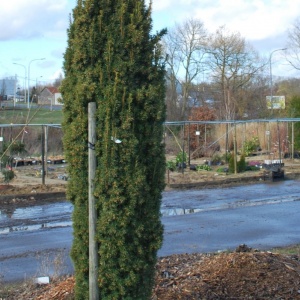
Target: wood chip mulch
(242, 274)
(239, 275)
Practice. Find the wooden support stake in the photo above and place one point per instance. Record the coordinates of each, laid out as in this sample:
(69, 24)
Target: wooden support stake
(43, 155)
(93, 247)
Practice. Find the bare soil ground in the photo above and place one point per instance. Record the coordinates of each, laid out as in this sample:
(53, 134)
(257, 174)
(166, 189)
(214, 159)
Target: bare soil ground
(243, 274)
(28, 180)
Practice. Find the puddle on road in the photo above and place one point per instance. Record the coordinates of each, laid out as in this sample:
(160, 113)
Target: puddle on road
(59, 214)
(179, 211)
(175, 211)
(34, 227)
(35, 217)
(34, 212)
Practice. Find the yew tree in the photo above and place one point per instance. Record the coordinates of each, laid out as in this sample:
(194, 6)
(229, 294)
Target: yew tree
(114, 59)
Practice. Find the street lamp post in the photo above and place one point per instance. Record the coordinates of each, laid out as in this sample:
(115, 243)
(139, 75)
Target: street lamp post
(24, 78)
(36, 88)
(28, 96)
(271, 79)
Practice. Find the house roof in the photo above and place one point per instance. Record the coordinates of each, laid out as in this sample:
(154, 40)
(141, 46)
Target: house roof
(53, 90)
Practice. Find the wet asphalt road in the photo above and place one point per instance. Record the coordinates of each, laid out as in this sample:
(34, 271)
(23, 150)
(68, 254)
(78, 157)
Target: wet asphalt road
(262, 216)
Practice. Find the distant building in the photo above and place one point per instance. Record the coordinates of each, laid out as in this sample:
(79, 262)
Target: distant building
(8, 87)
(50, 96)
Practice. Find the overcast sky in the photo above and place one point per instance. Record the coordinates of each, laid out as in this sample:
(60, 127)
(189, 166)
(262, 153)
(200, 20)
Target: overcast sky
(35, 29)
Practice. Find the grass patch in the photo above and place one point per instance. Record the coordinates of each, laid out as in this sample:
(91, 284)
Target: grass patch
(36, 116)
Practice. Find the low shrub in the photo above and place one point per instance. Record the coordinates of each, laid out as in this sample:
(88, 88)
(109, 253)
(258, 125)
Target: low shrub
(171, 165)
(8, 175)
(252, 168)
(241, 164)
(216, 160)
(251, 146)
(203, 168)
(181, 158)
(222, 170)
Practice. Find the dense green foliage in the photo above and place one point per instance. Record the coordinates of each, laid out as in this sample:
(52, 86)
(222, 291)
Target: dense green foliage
(113, 59)
(231, 167)
(251, 145)
(15, 148)
(240, 164)
(8, 175)
(294, 111)
(203, 168)
(171, 165)
(181, 157)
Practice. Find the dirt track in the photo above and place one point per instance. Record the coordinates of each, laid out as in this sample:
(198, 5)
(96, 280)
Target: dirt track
(28, 180)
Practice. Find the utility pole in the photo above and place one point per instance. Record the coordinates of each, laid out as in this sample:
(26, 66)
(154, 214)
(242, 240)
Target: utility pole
(271, 79)
(28, 95)
(25, 78)
(93, 247)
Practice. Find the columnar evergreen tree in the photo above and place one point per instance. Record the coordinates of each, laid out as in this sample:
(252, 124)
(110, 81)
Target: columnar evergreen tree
(113, 59)
(294, 112)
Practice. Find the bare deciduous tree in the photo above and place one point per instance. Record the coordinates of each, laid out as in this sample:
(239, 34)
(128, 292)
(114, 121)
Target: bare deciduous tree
(233, 63)
(252, 98)
(58, 80)
(185, 49)
(293, 46)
